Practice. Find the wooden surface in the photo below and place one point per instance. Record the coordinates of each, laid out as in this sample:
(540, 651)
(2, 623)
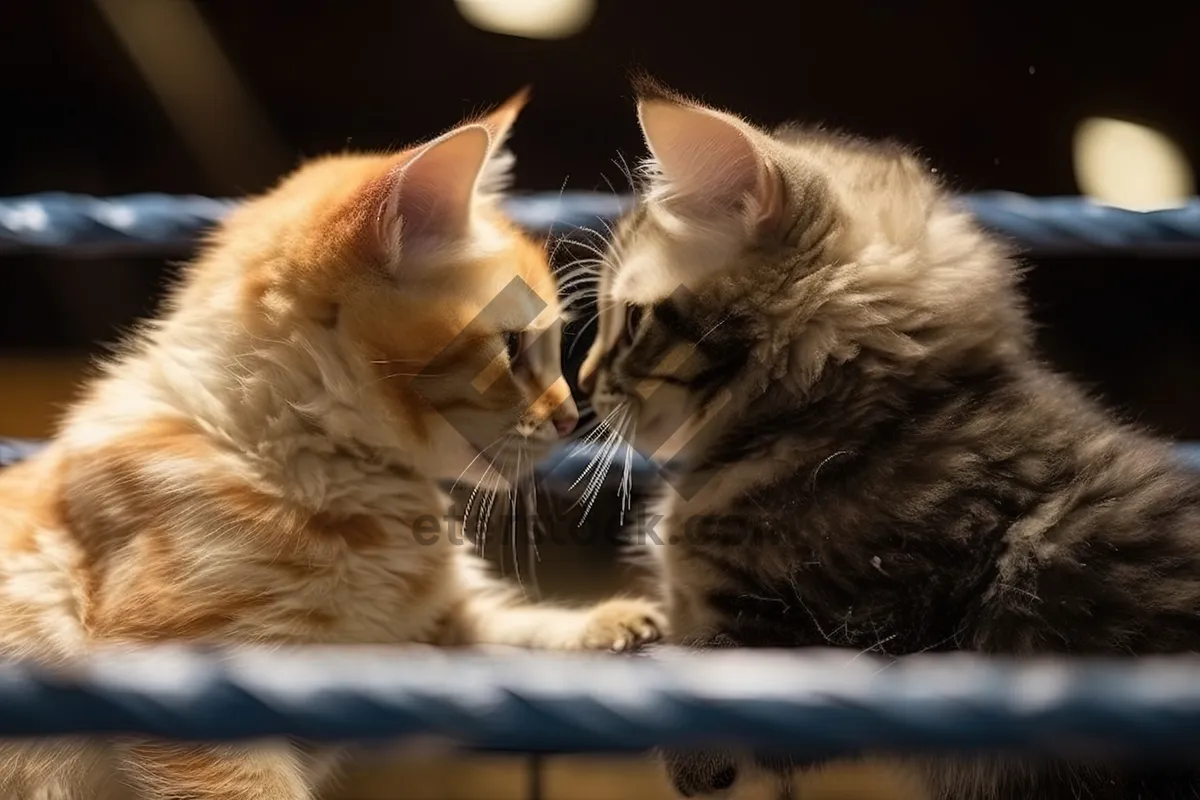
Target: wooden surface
(574, 778)
(33, 390)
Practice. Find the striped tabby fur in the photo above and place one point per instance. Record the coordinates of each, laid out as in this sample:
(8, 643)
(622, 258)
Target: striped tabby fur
(868, 452)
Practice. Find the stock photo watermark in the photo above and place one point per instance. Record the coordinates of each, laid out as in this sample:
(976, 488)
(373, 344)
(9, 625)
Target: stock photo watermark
(608, 440)
(643, 528)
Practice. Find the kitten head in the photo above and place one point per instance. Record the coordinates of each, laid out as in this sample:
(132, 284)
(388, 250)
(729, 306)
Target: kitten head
(756, 258)
(387, 299)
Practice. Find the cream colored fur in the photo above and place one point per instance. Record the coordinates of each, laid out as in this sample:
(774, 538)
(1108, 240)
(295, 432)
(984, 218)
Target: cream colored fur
(254, 465)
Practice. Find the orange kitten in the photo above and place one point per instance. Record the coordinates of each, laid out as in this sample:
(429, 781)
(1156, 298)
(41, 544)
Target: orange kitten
(261, 463)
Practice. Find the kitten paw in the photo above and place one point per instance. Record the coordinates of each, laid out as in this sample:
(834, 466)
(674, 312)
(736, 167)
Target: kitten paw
(622, 625)
(701, 774)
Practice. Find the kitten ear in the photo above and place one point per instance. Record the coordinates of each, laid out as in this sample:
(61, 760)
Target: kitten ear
(430, 196)
(497, 172)
(500, 120)
(427, 198)
(707, 162)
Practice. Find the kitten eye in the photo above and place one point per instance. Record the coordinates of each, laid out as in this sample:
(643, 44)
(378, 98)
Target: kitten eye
(512, 343)
(633, 321)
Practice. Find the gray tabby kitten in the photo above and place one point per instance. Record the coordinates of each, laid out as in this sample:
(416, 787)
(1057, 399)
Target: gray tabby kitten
(866, 451)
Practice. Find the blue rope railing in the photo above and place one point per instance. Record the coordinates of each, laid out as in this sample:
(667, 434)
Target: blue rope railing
(79, 226)
(830, 703)
(822, 703)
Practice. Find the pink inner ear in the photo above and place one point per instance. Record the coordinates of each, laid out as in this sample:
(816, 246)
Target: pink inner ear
(425, 199)
(434, 192)
(706, 159)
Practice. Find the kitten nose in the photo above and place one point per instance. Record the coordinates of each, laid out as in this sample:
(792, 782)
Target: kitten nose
(565, 423)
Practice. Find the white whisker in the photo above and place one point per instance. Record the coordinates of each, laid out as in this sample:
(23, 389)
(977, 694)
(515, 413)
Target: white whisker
(608, 454)
(554, 218)
(625, 170)
(594, 319)
(583, 267)
(591, 436)
(625, 490)
(478, 456)
(531, 522)
(512, 510)
(489, 501)
(470, 504)
(719, 323)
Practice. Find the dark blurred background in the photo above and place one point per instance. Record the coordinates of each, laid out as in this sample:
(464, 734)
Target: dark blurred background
(219, 98)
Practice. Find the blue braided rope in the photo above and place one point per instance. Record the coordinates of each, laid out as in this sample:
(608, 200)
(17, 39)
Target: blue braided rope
(818, 702)
(94, 227)
(1076, 226)
(79, 226)
(158, 224)
(14, 450)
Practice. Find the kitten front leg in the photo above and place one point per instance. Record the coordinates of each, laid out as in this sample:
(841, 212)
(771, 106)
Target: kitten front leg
(618, 625)
(709, 773)
(489, 612)
(265, 772)
(702, 773)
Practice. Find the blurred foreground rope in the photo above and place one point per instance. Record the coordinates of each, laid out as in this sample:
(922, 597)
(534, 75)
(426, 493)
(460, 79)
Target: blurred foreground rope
(79, 226)
(807, 703)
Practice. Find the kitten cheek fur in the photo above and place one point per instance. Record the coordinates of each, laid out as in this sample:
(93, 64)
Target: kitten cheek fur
(255, 465)
(901, 472)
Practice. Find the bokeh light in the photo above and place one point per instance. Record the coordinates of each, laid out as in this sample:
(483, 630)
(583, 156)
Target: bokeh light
(531, 19)
(1130, 166)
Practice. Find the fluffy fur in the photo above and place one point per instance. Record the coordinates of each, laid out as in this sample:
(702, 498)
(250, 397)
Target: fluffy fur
(867, 452)
(261, 463)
